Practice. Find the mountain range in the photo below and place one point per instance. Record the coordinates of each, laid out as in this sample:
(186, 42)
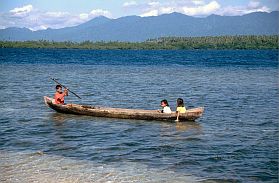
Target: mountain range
(136, 28)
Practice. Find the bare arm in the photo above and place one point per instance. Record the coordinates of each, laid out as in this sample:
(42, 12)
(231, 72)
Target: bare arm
(66, 93)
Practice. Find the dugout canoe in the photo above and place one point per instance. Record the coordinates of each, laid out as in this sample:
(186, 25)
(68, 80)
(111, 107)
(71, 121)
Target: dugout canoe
(190, 115)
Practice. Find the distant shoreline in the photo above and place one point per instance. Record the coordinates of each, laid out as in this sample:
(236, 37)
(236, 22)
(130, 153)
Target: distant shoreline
(164, 43)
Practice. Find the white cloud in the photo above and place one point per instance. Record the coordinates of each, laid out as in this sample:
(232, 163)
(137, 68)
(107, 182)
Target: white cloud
(252, 6)
(198, 8)
(83, 16)
(154, 3)
(24, 9)
(206, 9)
(57, 14)
(150, 13)
(40, 27)
(35, 19)
(130, 4)
(167, 10)
(198, 2)
(94, 13)
(100, 12)
(191, 7)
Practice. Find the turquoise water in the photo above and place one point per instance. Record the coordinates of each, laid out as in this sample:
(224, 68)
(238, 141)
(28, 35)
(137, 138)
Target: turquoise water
(235, 141)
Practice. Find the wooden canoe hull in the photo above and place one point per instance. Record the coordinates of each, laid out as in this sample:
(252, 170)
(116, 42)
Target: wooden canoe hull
(190, 115)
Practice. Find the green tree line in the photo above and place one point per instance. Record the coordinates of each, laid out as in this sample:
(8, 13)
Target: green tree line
(164, 43)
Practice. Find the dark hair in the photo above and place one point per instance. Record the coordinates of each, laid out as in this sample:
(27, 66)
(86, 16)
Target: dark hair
(180, 102)
(165, 102)
(58, 86)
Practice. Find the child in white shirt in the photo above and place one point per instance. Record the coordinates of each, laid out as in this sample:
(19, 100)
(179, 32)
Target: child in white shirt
(165, 106)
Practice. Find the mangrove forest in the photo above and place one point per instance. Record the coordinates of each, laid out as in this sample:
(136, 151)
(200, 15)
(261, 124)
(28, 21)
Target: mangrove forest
(163, 43)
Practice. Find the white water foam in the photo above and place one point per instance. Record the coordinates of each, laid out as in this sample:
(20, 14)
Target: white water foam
(21, 167)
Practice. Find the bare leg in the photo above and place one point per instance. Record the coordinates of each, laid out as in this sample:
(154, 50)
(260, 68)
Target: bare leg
(177, 117)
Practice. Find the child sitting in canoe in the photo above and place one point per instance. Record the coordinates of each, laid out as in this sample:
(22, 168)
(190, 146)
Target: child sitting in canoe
(180, 108)
(59, 95)
(165, 106)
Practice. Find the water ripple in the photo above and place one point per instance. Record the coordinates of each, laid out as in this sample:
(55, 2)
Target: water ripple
(235, 141)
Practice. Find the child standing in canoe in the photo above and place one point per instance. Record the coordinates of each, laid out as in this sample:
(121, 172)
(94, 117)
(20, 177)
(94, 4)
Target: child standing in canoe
(59, 95)
(180, 108)
(165, 106)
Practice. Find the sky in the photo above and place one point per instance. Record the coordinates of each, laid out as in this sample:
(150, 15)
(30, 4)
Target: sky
(43, 14)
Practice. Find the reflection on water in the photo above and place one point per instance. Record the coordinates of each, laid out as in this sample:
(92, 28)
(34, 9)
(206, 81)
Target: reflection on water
(59, 118)
(185, 126)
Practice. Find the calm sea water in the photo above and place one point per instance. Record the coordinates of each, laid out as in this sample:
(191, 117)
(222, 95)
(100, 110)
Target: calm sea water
(235, 141)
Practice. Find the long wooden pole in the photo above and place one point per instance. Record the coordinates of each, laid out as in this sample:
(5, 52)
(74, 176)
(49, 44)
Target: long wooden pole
(65, 87)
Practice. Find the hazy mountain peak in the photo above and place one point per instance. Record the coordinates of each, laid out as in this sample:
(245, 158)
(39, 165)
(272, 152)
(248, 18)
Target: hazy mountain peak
(213, 15)
(99, 19)
(176, 14)
(131, 17)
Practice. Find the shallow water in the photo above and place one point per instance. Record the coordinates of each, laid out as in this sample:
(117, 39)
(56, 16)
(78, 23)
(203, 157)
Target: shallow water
(235, 141)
